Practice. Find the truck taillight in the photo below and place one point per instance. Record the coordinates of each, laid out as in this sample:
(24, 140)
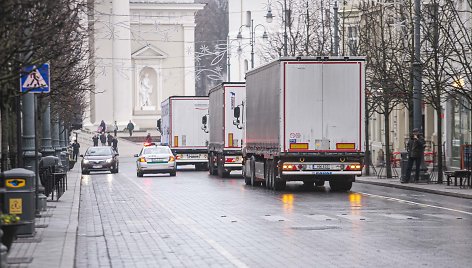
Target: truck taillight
(230, 160)
(353, 167)
(289, 167)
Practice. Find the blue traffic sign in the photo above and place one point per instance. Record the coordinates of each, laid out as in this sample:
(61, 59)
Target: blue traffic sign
(35, 79)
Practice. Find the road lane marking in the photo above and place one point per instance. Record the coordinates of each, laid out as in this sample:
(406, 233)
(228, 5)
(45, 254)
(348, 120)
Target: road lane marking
(213, 243)
(415, 203)
(400, 216)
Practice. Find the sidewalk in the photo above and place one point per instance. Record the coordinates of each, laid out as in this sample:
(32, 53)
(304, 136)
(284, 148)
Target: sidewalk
(442, 189)
(54, 242)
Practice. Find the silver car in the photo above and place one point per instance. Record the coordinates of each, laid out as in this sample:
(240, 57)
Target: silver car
(155, 159)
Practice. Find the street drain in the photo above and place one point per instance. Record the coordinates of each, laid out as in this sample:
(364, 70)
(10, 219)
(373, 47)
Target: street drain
(315, 228)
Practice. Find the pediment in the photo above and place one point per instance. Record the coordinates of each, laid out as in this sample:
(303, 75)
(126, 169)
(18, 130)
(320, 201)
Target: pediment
(149, 52)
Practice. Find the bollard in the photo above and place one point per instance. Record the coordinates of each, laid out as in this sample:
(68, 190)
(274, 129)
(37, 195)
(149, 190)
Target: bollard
(19, 197)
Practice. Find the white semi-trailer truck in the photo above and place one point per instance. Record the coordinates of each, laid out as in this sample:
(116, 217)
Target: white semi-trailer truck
(181, 129)
(226, 133)
(304, 122)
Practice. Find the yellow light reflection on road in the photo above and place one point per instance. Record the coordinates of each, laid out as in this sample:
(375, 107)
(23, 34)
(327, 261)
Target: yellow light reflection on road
(355, 200)
(287, 199)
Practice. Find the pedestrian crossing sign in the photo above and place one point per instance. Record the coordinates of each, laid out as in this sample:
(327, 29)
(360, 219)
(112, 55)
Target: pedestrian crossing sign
(35, 79)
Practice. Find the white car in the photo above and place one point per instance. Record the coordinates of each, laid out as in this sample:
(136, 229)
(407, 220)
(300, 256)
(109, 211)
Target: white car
(155, 159)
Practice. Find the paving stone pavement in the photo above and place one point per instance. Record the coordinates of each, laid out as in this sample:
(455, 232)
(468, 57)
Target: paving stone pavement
(193, 220)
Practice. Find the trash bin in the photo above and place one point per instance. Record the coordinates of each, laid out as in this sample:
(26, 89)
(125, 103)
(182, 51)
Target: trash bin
(19, 197)
(403, 164)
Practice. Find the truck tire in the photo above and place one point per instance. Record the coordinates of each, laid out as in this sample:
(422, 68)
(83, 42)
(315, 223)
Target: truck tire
(340, 185)
(221, 168)
(267, 178)
(254, 181)
(211, 164)
(278, 184)
(319, 183)
(308, 183)
(247, 179)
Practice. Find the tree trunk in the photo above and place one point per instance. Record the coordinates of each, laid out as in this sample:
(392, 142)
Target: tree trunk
(5, 129)
(388, 166)
(440, 149)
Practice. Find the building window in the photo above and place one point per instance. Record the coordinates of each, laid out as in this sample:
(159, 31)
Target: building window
(461, 129)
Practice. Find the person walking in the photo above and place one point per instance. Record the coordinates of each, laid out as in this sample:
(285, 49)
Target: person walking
(415, 149)
(130, 128)
(114, 144)
(115, 129)
(148, 138)
(103, 126)
(103, 139)
(109, 139)
(95, 140)
(75, 150)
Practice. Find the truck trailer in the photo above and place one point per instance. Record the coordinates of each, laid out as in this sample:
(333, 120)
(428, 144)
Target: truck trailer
(181, 130)
(304, 122)
(226, 132)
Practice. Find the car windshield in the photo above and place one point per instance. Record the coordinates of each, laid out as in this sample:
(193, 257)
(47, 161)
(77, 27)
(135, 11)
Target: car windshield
(96, 151)
(156, 150)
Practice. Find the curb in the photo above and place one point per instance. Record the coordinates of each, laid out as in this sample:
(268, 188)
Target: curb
(413, 188)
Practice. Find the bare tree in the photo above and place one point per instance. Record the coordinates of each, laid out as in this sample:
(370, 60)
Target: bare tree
(385, 46)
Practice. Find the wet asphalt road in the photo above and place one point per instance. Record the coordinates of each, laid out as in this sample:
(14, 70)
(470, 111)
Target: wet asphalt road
(197, 220)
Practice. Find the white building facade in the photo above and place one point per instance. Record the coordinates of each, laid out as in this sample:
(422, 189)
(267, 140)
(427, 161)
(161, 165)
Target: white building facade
(142, 52)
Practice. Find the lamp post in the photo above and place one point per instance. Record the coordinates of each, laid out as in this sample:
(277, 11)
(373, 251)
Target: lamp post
(286, 12)
(252, 37)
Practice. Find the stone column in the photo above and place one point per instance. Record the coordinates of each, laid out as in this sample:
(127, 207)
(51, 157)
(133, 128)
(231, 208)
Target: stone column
(29, 134)
(46, 139)
(122, 84)
(189, 59)
(55, 136)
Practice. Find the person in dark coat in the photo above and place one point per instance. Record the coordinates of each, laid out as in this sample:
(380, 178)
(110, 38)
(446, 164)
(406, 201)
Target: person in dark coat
(114, 144)
(95, 140)
(103, 139)
(75, 150)
(415, 148)
(109, 139)
(103, 126)
(130, 128)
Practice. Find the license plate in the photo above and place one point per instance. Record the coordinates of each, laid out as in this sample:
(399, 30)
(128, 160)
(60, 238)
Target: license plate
(192, 155)
(325, 167)
(97, 166)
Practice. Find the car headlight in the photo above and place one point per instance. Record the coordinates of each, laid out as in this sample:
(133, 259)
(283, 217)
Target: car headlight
(109, 160)
(86, 161)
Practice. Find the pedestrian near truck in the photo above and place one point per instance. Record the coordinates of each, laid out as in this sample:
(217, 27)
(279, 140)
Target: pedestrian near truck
(114, 144)
(115, 129)
(95, 140)
(109, 139)
(75, 150)
(130, 128)
(103, 139)
(415, 149)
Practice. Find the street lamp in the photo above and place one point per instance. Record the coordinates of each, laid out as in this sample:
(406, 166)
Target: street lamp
(252, 39)
(269, 17)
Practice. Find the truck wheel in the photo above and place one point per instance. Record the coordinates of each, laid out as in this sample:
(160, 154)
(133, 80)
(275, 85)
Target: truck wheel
(319, 183)
(279, 183)
(340, 185)
(247, 179)
(211, 165)
(254, 182)
(139, 174)
(308, 183)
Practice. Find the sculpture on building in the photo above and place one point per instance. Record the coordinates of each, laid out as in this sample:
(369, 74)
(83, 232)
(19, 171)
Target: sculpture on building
(145, 91)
